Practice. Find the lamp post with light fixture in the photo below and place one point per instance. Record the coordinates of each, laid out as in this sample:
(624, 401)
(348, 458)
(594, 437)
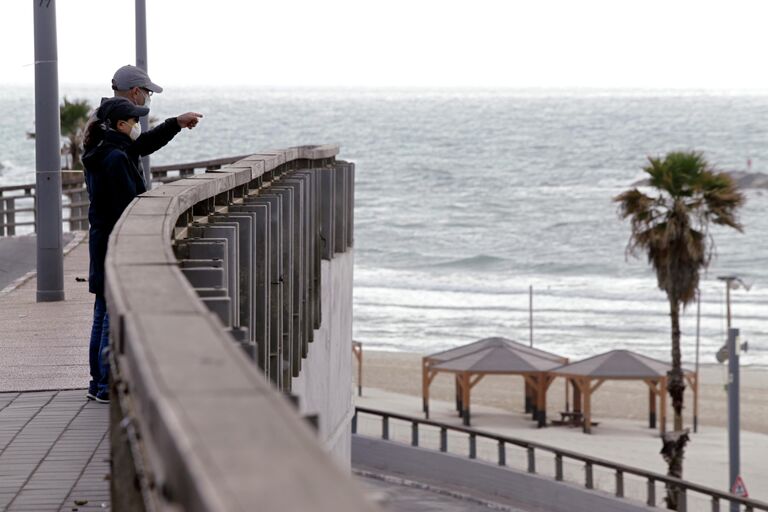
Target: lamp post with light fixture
(141, 62)
(731, 351)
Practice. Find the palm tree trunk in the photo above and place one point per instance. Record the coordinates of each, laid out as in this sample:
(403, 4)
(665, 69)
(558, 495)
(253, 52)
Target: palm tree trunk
(676, 382)
(673, 449)
(74, 151)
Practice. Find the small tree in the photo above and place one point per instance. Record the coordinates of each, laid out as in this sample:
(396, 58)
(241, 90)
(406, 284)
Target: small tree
(73, 116)
(670, 225)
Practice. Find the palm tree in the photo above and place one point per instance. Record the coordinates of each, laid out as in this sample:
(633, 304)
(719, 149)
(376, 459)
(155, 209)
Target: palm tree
(670, 224)
(74, 115)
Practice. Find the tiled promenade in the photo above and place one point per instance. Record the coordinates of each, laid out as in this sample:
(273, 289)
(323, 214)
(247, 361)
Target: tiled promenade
(54, 446)
(54, 452)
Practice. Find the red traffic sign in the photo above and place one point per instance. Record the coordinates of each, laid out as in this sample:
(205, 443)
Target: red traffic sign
(739, 489)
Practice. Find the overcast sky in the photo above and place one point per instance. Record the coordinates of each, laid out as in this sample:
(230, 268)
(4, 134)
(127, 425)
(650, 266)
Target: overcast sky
(525, 43)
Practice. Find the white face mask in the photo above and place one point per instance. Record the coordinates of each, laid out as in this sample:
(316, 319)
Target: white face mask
(135, 131)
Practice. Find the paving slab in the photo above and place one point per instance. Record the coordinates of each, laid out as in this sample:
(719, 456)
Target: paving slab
(54, 443)
(54, 452)
(45, 345)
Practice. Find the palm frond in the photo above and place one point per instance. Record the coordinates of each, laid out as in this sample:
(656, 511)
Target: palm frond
(672, 226)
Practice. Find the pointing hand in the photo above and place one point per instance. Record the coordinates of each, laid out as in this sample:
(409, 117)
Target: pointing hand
(189, 120)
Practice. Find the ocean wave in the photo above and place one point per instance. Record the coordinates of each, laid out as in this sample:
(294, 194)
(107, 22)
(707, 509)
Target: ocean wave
(478, 262)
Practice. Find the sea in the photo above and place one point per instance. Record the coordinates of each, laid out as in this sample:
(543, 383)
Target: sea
(478, 210)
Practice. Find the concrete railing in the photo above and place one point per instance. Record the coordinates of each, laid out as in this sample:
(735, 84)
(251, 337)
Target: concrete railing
(199, 359)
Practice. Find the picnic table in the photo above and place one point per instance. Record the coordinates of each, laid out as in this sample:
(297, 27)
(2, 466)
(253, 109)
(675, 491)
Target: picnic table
(572, 419)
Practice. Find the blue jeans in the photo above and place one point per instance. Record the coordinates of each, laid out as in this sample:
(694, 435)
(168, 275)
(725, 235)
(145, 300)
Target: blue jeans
(97, 352)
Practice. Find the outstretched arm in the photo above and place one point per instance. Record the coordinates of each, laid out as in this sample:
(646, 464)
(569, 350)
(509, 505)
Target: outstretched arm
(159, 136)
(152, 140)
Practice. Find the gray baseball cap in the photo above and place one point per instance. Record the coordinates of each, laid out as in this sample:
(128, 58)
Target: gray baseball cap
(128, 77)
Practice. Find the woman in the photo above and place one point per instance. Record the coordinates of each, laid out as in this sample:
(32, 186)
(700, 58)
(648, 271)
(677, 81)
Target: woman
(113, 179)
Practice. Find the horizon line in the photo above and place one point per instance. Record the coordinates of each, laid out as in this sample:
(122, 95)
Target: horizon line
(436, 87)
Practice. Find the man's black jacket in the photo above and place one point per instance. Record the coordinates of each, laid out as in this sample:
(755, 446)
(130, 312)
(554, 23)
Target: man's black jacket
(113, 179)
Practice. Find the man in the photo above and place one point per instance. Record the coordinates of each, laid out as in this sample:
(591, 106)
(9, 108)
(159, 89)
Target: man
(135, 85)
(114, 176)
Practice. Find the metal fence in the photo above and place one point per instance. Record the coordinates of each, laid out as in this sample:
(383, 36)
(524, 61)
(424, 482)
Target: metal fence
(559, 458)
(18, 202)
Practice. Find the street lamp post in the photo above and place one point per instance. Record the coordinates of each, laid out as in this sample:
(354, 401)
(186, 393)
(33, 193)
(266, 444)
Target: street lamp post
(50, 259)
(698, 343)
(733, 348)
(141, 62)
(734, 446)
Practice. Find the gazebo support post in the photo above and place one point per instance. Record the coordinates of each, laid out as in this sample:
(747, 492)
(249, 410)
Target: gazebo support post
(532, 383)
(587, 391)
(651, 403)
(576, 396)
(465, 387)
(590, 389)
(663, 405)
(541, 406)
(425, 386)
(528, 401)
(457, 385)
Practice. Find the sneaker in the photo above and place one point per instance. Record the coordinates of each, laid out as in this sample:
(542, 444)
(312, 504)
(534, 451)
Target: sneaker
(102, 397)
(91, 394)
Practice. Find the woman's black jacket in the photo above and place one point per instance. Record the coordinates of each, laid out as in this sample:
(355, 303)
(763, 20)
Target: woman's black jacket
(113, 179)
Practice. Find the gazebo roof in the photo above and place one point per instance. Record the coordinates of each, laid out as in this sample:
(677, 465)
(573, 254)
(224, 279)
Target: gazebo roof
(494, 342)
(498, 358)
(617, 364)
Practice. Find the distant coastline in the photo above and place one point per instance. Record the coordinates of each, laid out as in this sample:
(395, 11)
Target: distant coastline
(743, 179)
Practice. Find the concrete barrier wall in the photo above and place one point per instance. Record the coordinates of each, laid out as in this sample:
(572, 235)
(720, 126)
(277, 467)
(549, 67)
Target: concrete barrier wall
(323, 387)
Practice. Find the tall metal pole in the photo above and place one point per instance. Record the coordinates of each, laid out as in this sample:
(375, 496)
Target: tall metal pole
(698, 340)
(141, 62)
(733, 410)
(530, 312)
(50, 259)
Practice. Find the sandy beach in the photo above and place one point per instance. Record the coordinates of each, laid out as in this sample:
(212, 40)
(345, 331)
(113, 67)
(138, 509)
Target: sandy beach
(392, 382)
(400, 372)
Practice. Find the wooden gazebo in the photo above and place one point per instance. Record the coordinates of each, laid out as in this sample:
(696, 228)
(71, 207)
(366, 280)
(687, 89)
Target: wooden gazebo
(589, 374)
(492, 356)
(429, 361)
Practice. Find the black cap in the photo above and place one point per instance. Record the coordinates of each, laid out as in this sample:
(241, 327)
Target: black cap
(120, 109)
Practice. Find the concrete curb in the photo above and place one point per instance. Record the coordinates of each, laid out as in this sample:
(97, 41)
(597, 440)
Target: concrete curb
(432, 488)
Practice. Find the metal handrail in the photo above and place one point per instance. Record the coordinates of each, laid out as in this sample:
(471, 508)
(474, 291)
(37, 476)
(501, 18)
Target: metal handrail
(74, 189)
(561, 454)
